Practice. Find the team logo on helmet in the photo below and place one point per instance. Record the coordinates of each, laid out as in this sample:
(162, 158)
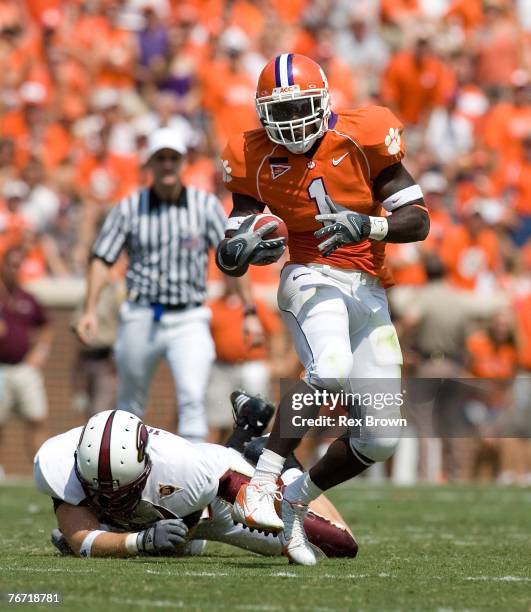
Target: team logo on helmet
(141, 441)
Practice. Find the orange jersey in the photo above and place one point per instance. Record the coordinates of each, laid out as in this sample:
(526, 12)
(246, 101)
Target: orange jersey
(226, 327)
(358, 145)
(488, 360)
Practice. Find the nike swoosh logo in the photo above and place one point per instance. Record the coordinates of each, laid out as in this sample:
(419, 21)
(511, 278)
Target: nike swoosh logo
(239, 248)
(336, 162)
(299, 275)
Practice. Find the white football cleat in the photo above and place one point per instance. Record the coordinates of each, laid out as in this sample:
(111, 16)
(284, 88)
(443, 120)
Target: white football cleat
(295, 544)
(254, 506)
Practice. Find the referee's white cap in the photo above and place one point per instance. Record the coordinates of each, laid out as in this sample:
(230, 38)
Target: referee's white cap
(166, 138)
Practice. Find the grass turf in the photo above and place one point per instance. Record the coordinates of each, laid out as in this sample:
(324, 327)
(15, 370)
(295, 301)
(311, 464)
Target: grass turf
(421, 548)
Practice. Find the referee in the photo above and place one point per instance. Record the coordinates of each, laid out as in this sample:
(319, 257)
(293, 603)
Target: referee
(166, 230)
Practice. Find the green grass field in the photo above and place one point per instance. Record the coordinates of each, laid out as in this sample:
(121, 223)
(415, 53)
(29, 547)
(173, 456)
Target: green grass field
(422, 548)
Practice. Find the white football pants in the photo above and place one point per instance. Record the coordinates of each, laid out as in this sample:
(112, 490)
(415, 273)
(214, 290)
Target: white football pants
(343, 335)
(182, 338)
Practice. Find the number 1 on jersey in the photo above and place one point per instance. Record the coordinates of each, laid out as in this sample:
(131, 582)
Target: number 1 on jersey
(317, 192)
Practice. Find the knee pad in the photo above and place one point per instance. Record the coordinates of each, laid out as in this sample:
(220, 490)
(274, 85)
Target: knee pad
(331, 369)
(375, 448)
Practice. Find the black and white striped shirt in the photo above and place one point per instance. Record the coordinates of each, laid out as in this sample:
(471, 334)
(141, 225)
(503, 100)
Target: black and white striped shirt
(167, 244)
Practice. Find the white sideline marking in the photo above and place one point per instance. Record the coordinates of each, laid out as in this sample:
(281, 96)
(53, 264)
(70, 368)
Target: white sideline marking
(188, 573)
(380, 575)
(149, 603)
(500, 578)
(284, 575)
(144, 603)
(43, 570)
(256, 607)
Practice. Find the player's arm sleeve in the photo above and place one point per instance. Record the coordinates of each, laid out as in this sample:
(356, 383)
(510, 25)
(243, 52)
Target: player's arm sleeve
(239, 175)
(381, 136)
(113, 235)
(239, 172)
(41, 481)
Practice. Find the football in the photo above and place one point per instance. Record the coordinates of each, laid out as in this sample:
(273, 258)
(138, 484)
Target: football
(260, 220)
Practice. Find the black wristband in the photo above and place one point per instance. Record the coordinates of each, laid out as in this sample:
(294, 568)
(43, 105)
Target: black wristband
(249, 310)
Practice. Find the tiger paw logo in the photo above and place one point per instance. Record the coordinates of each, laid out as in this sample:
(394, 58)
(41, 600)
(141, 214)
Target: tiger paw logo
(392, 141)
(227, 171)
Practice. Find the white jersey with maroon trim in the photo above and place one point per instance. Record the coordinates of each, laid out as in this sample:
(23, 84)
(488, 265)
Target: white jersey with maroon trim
(184, 477)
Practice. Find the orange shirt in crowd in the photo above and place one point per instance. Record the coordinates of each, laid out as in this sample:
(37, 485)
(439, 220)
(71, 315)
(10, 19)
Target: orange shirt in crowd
(304, 42)
(10, 13)
(466, 258)
(200, 172)
(488, 360)
(365, 141)
(230, 99)
(117, 61)
(405, 263)
(107, 179)
(19, 60)
(413, 89)
(504, 127)
(38, 8)
(34, 265)
(85, 30)
(497, 52)
(226, 326)
(73, 89)
(468, 12)
(393, 11)
(440, 224)
(51, 145)
(340, 83)
(523, 326)
(290, 12)
(248, 17)
(515, 177)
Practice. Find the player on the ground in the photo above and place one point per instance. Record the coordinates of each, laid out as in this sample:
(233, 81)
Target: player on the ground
(330, 176)
(120, 488)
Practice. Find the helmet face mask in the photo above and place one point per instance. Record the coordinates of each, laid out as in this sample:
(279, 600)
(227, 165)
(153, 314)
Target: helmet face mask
(111, 462)
(296, 113)
(109, 498)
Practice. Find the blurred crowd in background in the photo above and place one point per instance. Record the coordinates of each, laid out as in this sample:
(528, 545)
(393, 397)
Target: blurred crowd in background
(83, 82)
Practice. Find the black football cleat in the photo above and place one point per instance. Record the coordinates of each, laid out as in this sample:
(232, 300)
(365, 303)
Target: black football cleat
(251, 412)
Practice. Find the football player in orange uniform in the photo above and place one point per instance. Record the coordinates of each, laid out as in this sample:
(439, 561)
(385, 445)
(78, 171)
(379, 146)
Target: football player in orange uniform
(329, 176)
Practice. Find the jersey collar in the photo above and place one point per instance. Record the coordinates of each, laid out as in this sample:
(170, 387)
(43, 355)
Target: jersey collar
(331, 125)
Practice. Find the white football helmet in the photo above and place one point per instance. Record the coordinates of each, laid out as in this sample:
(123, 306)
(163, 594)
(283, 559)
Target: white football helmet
(112, 463)
(293, 101)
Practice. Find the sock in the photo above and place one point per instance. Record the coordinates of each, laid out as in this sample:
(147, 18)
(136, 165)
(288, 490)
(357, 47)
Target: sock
(302, 490)
(268, 468)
